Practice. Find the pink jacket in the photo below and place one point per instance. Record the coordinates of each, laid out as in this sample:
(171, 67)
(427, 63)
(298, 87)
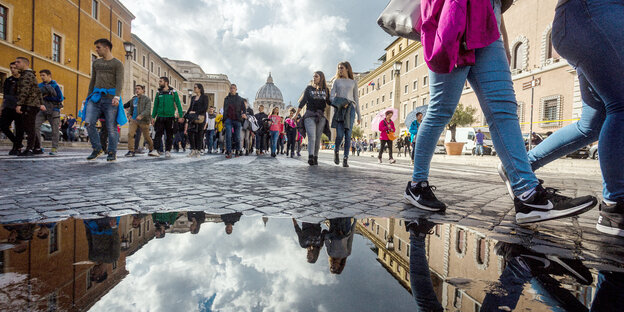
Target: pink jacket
(452, 29)
(383, 128)
(277, 124)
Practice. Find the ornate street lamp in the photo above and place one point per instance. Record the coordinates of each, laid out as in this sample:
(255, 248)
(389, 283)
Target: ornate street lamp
(129, 47)
(397, 67)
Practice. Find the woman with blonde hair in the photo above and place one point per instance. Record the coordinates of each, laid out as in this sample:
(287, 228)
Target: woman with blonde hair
(316, 98)
(345, 100)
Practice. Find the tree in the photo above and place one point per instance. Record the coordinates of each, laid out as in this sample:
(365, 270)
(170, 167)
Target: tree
(324, 138)
(357, 132)
(463, 116)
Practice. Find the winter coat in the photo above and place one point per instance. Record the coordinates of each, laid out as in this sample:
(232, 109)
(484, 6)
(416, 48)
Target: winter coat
(233, 107)
(144, 108)
(28, 92)
(52, 96)
(384, 128)
(166, 103)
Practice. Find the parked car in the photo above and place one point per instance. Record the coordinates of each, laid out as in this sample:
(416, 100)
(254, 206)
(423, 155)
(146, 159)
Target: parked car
(46, 132)
(581, 153)
(467, 136)
(593, 152)
(440, 149)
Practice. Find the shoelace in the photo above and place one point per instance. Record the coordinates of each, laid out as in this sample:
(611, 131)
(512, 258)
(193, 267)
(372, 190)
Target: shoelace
(552, 193)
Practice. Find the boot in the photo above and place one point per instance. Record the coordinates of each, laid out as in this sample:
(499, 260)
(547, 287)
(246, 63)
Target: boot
(344, 163)
(316, 160)
(336, 158)
(311, 160)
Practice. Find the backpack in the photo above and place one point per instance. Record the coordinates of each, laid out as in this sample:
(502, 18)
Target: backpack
(253, 122)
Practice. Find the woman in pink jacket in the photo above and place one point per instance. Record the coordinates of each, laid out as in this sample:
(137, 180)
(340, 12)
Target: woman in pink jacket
(277, 127)
(385, 126)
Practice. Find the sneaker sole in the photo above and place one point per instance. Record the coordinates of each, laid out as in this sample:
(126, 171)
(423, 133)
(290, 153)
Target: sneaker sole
(539, 216)
(414, 203)
(609, 230)
(503, 176)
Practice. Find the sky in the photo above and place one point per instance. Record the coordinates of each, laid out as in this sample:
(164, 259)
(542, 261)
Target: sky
(257, 268)
(247, 39)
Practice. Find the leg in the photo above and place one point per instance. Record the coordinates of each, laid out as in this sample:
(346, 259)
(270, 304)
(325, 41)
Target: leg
(491, 79)
(146, 135)
(55, 122)
(390, 149)
(30, 117)
(347, 141)
(319, 134)
(110, 113)
(420, 275)
(228, 136)
(132, 130)
(381, 149)
(169, 133)
(137, 137)
(237, 131)
(159, 129)
(7, 117)
(310, 126)
(445, 91)
(340, 133)
(103, 135)
(93, 113)
(39, 120)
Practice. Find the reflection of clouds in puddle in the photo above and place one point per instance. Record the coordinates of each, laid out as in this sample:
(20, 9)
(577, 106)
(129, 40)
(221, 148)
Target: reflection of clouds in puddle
(255, 268)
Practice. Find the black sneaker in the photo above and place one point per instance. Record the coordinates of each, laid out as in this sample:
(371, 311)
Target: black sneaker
(316, 160)
(311, 160)
(545, 204)
(37, 151)
(26, 153)
(95, 154)
(112, 156)
(130, 154)
(611, 219)
(421, 196)
(14, 152)
(420, 227)
(336, 158)
(539, 263)
(345, 163)
(503, 174)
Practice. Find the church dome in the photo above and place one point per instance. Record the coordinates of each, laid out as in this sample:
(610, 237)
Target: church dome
(269, 91)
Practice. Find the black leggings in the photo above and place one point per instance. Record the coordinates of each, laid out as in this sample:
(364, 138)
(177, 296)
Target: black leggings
(385, 143)
(196, 139)
(290, 144)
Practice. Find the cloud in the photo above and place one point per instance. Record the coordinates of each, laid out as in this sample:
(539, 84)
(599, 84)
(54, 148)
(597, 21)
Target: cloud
(247, 39)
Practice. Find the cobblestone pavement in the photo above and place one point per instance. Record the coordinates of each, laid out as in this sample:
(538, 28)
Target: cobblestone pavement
(51, 188)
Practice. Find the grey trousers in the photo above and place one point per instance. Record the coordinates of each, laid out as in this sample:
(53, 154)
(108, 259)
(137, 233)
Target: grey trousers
(55, 120)
(314, 131)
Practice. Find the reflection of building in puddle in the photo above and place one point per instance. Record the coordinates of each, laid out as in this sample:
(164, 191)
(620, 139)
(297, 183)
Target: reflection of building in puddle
(56, 273)
(462, 262)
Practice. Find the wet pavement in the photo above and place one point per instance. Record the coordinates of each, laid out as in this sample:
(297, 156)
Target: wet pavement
(120, 237)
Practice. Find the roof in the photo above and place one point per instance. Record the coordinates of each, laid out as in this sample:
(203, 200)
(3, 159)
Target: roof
(270, 91)
(134, 36)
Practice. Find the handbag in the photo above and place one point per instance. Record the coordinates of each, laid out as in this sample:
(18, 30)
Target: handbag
(400, 18)
(391, 135)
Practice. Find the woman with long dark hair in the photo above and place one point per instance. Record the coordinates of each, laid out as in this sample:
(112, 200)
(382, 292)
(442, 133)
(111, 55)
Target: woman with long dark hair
(344, 98)
(316, 98)
(196, 116)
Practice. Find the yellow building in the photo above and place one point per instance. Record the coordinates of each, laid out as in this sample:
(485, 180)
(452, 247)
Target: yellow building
(58, 35)
(402, 81)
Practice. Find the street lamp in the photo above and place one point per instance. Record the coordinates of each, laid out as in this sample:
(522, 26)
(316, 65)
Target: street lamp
(397, 67)
(129, 47)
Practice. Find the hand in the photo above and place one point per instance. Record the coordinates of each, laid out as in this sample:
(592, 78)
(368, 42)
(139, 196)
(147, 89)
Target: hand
(359, 121)
(42, 108)
(139, 118)
(180, 119)
(244, 116)
(186, 131)
(115, 101)
(18, 109)
(154, 121)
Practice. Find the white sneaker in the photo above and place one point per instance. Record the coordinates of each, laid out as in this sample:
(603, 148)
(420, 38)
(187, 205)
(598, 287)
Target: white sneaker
(167, 154)
(153, 153)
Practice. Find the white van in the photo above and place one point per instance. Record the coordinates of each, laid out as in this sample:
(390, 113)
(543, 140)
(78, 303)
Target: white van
(467, 136)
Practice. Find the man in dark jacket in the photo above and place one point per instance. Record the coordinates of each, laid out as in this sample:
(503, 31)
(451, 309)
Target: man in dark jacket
(229, 219)
(9, 115)
(104, 245)
(261, 134)
(29, 102)
(233, 114)
(140, 112)
(53, 102)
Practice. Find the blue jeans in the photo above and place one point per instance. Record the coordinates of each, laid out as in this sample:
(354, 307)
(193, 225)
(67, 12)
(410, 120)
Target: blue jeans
(210, 140)
(420, 276)
(491, 80)
(94, 111)
(588, 34)
(608, 295)
(479, 149)
(229, 125)
(274, 138)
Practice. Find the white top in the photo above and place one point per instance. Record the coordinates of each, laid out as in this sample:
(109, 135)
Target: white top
(347, 88)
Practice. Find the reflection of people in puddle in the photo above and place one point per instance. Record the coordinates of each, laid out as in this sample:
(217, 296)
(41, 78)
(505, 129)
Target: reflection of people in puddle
(162, 222)
(196, 218)
(526, 266)
(420, 275)
(229, 219)
(21, 234)
(104, 245)
(311, 238)
(137, 219)
(338, 241)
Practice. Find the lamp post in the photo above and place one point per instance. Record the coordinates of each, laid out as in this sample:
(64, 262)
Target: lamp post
(129, 48)
(128, 85)
(397, 85)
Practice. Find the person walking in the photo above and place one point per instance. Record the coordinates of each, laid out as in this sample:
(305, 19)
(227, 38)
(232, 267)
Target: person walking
(479, 137)
(210, 129)
(413, 131)
(53, 102)
(9, 114)
(291, 133)
(246, 133)
(310, 237)
(344, 98)
(29, 103)
(491, 80)
(164, 114)
(261, 134)
(386, 127)
(276, 127)
(180, 138)
(140, 110)
(196, 119)
(71, 128)
(233, 114)
(407, 144)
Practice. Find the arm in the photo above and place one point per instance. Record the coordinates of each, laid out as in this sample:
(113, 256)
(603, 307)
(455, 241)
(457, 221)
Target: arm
(156, 104)
(356, 99)
(147, 109)
(119, 78)
(332, 94)
(59, 95)
(128, 104)
(303, 101)
(92, 82)
(176, 100)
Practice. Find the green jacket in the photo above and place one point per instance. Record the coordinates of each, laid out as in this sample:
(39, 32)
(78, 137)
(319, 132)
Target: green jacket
(144, 108)
(165, 104)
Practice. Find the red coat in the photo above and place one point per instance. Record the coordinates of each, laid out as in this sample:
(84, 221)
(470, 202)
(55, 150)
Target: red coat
(384, 127)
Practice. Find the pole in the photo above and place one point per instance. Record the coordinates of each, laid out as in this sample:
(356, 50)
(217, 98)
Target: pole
(531, 118)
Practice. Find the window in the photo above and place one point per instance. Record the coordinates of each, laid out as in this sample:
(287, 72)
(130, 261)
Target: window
(114, 264)
(152, 95)
(550, 111)
(400, 47)
(521, 111)
(159, 71)
(549, 46)
(399, 269)
(425, 80)
(134, 54)
(377, 224)
(94, 8)
(460, 241)
(119, 28)
(458, 298)
(130, 237)
(392, 52)
(152, 67)
(415, 85)
(406, 66)
(481, 246)
(139, 231)
(391, 262)
(400, 245)
(147, 223)
(144, 61)
(56, 48)
(390, 96)
(406, 89)
(437, 230)
(416, 60)
(383, 98)
(4, 19)
(516, 62)
(184, 98)
(377, 101)
(385, 234)
(53, 244)
(384, 79)
(424, 101)
(385, 256)
(405, 111)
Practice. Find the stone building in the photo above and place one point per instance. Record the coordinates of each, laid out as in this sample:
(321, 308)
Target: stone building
(216, 86)
(270, 96)
(58, 35)
(402, 81)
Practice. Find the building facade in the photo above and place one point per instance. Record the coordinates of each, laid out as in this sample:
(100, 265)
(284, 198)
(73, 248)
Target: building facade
(216, 86)
(402, 81)
(270, 96)
(58, 35)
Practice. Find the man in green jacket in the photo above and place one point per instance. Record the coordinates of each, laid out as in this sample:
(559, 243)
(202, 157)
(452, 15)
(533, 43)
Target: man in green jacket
(165, 104)
(140, 110)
